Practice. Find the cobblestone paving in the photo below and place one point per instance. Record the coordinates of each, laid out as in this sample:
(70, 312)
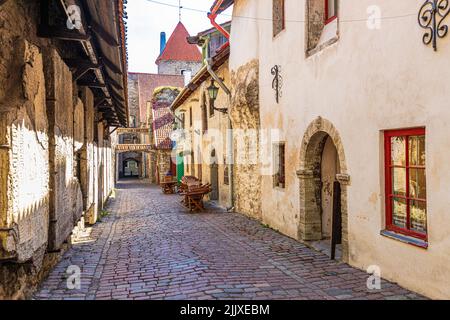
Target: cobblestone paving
(149, 247)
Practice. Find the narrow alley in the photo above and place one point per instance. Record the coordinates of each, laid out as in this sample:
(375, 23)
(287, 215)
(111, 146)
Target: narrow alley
(149, 247)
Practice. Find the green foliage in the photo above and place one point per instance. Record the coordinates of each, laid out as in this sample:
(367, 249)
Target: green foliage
(159, 90)
(103, 214)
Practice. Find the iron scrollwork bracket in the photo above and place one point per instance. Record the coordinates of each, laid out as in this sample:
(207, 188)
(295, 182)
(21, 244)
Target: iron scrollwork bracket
(277, 83)
(432, 17)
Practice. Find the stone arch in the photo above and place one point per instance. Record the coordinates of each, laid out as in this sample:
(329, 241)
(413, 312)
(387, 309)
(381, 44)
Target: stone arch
(309, 174)
(131, 159)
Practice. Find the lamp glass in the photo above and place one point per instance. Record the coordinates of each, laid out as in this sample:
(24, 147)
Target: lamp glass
(213, 91)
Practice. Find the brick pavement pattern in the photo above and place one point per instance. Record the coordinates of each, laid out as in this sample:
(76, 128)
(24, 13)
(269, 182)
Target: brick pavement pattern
(149, 247)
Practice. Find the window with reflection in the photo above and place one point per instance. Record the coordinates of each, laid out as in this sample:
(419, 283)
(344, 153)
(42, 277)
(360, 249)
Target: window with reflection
(330, 10)
(406, 198)
(278, 16)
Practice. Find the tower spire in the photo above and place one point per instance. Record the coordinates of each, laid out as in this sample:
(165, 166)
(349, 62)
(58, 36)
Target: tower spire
(179, 10)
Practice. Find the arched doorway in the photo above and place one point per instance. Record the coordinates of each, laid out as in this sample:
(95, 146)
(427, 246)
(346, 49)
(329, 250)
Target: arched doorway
(323, 178)
(214, 171)
(130, 168)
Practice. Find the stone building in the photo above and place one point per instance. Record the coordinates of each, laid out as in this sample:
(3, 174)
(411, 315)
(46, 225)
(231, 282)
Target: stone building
(202, 143)
(61, 91)
(178, 56)
(356, 114)
(140, 96)
(177, 62)
(162, 126)
(219, 143)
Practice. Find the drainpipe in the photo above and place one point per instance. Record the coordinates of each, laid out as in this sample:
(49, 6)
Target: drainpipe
(230, 146)
(212, 17)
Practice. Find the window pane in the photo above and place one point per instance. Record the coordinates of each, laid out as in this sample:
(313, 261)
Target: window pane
(281, 164)
(399, 212)
(398, 147)
(417, 150)
(418, 216)
(332, 8)
(417, 183)
(278, 16)
(399, 181)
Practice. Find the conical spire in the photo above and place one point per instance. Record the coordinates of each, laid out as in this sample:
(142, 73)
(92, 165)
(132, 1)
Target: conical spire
(178, 49)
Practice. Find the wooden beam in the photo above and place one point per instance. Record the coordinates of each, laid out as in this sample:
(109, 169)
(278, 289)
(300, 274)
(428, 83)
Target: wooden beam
(117, 97)
(99, 102)
(119, 111)
(110, 65)
(77, 63)
(61, 34)
(81, 67)
(44, 11)
(113, 82)
(91, 84)
(79, 73)
(102, 33)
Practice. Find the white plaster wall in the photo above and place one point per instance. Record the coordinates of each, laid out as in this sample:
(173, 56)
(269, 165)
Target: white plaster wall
(214, 137)
(369, 81)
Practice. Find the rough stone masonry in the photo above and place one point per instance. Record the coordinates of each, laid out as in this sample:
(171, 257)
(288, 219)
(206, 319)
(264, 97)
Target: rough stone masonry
(45, 187)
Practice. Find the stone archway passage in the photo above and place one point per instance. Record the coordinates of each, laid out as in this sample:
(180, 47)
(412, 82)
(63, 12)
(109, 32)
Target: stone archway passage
(309, 174)
(130, 168)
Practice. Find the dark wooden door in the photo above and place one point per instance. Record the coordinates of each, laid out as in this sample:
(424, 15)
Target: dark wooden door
(215, 182)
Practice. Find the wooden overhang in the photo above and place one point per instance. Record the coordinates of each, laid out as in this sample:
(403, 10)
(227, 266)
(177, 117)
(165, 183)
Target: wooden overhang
(133, 131)
(223, 6)
(201, 76)
(98, 54)
(134, 148)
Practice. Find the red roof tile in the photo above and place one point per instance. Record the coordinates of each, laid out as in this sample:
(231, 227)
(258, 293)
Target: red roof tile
(178, 49)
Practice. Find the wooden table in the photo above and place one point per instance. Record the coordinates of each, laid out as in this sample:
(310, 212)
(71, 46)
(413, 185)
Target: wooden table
(168, 187)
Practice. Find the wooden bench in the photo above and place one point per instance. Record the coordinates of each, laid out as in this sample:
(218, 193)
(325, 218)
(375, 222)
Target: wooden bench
(193, 198)
(187, 182)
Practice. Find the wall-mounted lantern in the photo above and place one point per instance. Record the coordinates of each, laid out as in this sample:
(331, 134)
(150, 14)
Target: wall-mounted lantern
(213, 92)
(432, 15)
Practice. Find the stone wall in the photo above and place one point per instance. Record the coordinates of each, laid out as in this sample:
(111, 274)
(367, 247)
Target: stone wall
(24, 172)
(133, 98)
(246, 122)
(208, 144)
(173, 67)
(163, 163)
(47, 155)
(65, 196)
(87, 160)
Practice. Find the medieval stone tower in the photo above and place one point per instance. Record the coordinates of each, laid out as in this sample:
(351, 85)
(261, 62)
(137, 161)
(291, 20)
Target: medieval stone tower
(178, 57)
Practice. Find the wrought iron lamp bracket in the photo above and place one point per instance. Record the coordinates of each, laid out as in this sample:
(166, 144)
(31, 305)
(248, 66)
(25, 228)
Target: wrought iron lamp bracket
(432, 16)
(277, 83)
(222, 110)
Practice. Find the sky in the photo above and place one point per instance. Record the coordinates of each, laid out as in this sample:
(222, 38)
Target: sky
(148, 18)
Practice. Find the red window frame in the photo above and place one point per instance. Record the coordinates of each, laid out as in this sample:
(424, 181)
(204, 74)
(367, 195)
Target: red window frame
(388, 135)
(280, 162)
(329, 19)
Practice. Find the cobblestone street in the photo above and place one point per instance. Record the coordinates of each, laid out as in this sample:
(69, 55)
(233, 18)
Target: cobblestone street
(149, 247)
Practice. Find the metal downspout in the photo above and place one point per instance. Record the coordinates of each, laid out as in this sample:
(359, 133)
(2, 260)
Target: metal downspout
(212, 17)
(230, 145)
